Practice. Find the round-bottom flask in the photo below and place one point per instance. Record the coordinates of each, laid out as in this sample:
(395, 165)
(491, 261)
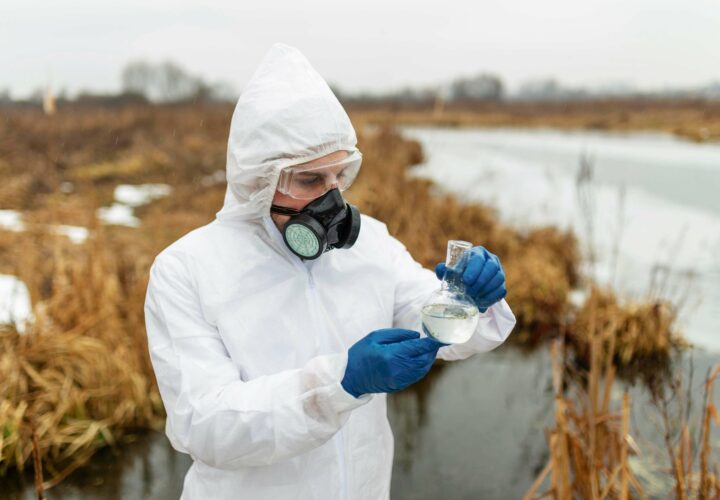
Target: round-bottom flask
(449, 315)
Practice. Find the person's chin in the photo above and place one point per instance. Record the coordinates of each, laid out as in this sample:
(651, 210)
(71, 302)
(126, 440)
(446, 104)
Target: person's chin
(280, 221)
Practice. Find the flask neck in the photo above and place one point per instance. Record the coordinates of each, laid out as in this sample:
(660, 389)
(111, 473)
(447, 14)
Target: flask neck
(452, 281)
(455, 262)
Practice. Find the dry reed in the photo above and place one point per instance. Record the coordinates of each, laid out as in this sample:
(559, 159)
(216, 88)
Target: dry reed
(590, 442)
(80, 378)
(694, 470)
(644, 335)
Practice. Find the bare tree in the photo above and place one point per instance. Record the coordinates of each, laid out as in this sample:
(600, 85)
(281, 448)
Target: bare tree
(169, 82)
(481, 87)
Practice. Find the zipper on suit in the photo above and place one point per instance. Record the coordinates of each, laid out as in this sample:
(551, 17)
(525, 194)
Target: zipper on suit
(318, 310)
(320, 323)
(339, 448)
(338, 437)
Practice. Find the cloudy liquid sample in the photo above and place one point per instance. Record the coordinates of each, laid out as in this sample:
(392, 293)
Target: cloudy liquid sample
(450, 324)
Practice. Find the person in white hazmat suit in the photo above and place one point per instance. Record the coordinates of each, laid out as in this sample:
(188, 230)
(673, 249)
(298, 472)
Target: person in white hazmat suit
(274, 355)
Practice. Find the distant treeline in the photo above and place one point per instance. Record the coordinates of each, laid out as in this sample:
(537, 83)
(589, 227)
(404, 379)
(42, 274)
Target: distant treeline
(141, 83)
(488, 88)
(166, 82)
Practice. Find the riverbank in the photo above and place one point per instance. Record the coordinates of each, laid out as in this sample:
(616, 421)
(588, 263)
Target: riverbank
(696, 120)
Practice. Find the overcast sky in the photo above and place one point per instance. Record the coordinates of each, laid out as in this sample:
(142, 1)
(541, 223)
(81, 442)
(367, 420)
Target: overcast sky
(365, 45)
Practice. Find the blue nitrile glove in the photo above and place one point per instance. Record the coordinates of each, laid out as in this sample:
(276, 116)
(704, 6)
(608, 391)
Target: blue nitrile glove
(483, 277)
(388, 360)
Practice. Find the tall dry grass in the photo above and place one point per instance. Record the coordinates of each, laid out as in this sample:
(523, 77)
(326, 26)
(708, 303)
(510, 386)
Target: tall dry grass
(80, 378)
(644, 336)
(590, 442)
(692, 465)
(708, 477)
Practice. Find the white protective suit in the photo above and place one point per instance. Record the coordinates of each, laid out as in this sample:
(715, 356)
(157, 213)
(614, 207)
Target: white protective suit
(249, 343)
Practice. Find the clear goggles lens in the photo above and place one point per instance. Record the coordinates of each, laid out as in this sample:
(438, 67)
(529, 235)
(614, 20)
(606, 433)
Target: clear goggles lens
(308, 182)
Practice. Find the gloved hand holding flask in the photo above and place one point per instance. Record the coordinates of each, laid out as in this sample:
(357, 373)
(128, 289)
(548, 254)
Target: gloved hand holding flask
(388, 360)
(472, 280)
(482, 276)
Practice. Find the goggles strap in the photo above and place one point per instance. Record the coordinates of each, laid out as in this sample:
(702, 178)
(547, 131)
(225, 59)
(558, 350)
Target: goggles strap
(276, 209)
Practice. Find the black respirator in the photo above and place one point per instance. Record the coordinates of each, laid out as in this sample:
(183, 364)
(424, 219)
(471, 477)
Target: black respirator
(325, 223)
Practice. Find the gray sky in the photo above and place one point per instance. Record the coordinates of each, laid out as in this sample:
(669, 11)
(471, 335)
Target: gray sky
(365, 45)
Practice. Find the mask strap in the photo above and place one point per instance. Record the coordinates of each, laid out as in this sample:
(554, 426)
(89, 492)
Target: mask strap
(276, 209)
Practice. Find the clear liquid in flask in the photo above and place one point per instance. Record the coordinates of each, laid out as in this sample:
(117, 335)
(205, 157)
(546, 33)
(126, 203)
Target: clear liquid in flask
(450, 323)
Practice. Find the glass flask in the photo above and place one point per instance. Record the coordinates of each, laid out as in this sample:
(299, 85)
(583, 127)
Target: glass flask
(450, 315)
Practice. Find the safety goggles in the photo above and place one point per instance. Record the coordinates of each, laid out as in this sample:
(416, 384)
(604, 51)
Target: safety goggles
(307, 182)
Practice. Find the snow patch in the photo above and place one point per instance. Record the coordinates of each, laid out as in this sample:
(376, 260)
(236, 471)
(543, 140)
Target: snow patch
(127, 197)
(15, 305)
(142, 194)
(11, 220)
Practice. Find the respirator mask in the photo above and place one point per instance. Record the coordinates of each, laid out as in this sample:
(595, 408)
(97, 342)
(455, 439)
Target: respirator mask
(328, 221)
